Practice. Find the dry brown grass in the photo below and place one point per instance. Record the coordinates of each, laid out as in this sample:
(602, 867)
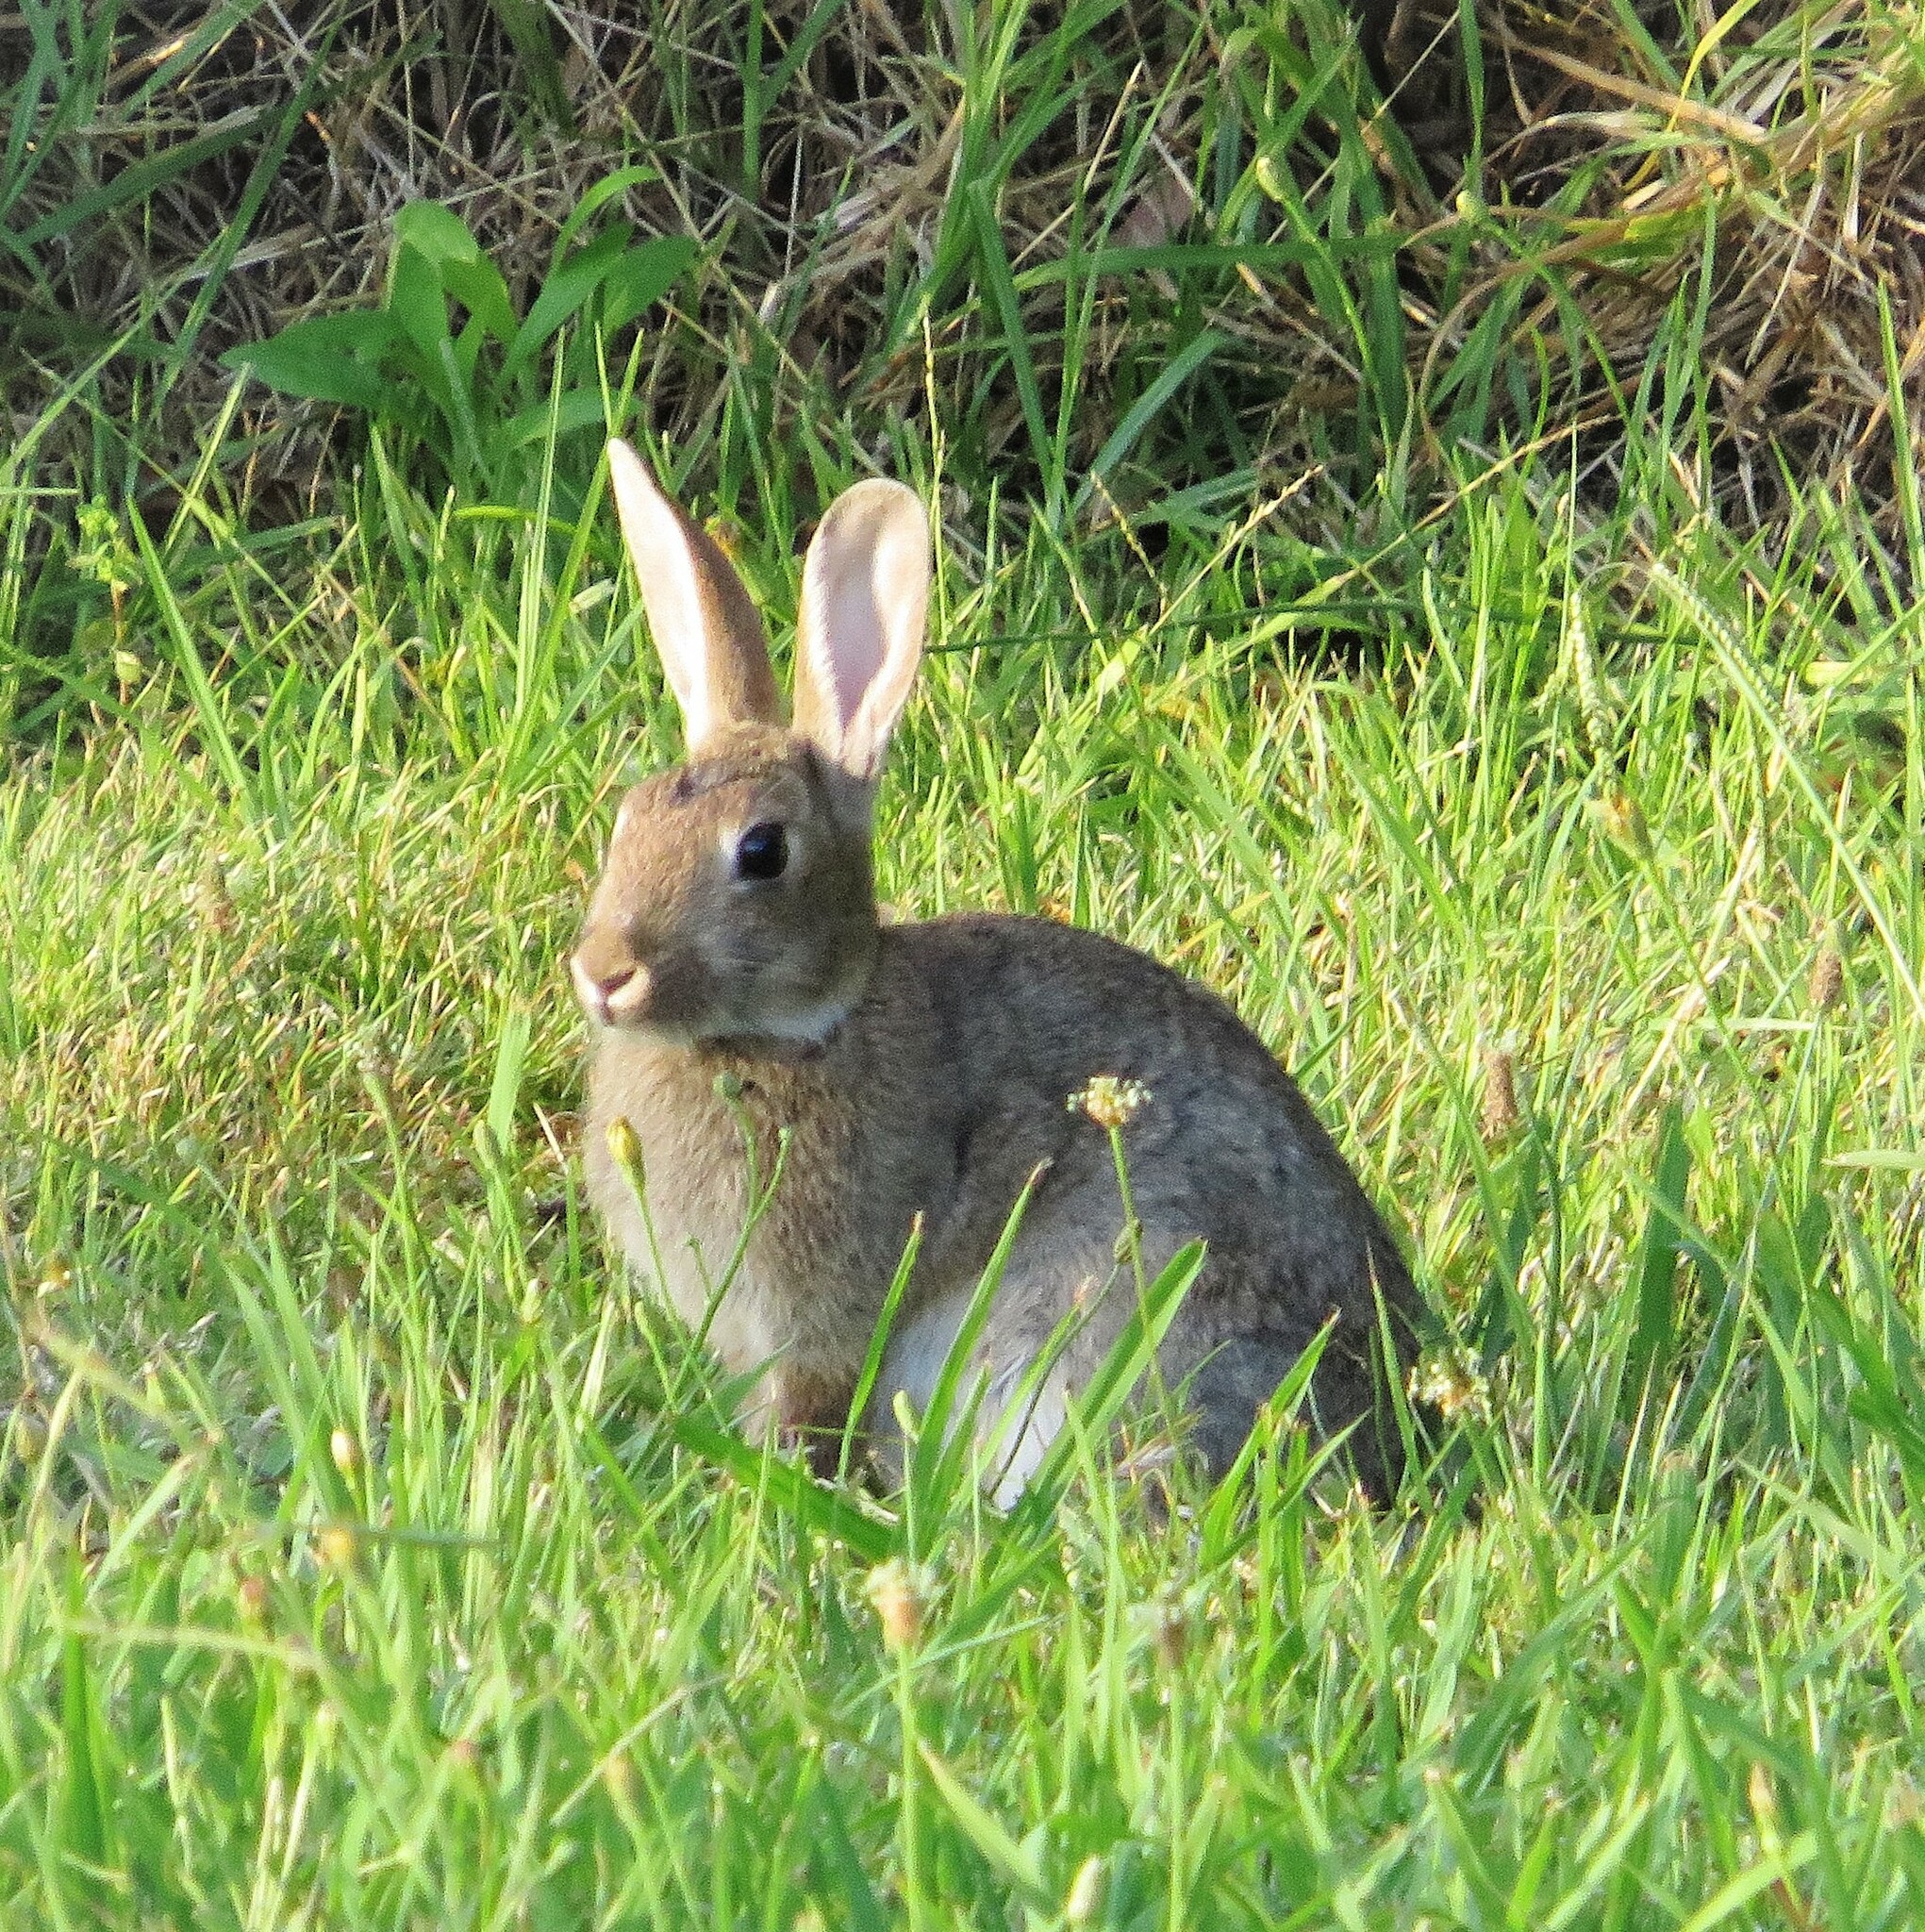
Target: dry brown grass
(1786, 180)
(1772, 172)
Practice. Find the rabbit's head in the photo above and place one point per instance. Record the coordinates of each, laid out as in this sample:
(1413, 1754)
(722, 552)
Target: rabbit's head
(737, 898)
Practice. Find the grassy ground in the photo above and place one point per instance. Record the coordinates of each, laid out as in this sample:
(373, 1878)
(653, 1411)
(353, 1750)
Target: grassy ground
(351, 1573)
(368, 1554)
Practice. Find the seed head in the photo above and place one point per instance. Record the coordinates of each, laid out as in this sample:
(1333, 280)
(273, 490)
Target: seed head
(345, 1451)
(29, 1431)
(1501, 1112)
(214, 903)
(338, 1546)
(892, 1588)
(1623, 821)
(1446, 1380)
(624, 1146)
(618, 1774)
(1170, 1626)
(1593, 688)
(1110, 1101)
(1826, 986)
(1764, 1799)
(1086, 1893)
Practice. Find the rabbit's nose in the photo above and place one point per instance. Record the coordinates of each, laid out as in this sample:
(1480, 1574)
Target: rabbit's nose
(610, 997)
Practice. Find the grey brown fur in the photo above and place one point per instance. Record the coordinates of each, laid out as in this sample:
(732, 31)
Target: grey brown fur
(925, 1068)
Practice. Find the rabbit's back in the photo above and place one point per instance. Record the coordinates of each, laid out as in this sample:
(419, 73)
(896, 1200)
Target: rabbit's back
(1031, 1011)
(1223, 1147)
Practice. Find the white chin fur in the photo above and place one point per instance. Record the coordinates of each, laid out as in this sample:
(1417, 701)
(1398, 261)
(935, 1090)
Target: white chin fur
(809, 1025)
(805, 1026)
(917, 1348)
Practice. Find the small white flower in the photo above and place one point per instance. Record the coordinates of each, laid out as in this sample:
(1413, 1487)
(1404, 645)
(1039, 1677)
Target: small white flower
(1110, 1101)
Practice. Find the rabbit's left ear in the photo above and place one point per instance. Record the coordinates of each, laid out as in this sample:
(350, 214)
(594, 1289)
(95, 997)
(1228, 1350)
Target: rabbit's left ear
(707, 629)
(864, 591)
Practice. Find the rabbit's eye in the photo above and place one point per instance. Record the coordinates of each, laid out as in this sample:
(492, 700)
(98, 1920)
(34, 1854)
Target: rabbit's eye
(762, 852)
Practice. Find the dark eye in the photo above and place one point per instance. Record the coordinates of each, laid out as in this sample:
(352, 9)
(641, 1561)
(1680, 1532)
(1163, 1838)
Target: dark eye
(762, 852)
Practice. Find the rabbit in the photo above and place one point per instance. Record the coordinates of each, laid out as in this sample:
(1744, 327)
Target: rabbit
(925, 1069)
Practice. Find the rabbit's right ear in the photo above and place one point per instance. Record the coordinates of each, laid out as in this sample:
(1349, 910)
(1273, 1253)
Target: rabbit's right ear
(865, 590)
(706, 628)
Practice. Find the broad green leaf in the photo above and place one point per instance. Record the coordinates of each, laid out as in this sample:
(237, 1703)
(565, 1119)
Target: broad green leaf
(575, 409)
(644, 275)
(331, 358)
(440, 236)
(562, 294)
(594, 199)
(436, 231)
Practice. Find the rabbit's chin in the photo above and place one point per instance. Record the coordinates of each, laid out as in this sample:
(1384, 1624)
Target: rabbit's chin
(806, 1024)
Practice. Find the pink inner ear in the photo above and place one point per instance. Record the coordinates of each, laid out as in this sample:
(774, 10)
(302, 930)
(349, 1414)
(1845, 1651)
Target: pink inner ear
(851, 634)
(864, 586)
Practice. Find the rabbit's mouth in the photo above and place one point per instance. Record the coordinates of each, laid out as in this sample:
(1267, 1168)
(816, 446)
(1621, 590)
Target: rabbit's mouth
(616, 996)
(671, 999)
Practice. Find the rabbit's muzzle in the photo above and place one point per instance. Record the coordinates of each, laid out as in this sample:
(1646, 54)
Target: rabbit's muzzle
(615, 994)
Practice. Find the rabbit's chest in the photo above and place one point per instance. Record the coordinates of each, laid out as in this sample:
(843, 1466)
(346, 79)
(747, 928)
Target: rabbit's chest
(777, 1173)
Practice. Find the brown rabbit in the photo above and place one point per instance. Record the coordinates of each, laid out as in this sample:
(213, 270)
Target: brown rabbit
(925, 1068)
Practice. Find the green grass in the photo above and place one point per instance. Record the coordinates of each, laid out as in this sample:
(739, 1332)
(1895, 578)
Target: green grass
(361, 1562)
(1383, 604)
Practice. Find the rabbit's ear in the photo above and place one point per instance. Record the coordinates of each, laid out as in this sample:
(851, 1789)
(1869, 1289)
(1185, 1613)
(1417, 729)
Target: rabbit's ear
(865, 588)
(706, 628)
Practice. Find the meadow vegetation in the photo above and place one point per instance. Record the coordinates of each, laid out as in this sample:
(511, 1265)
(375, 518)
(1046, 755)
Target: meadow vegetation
(1448, 575)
